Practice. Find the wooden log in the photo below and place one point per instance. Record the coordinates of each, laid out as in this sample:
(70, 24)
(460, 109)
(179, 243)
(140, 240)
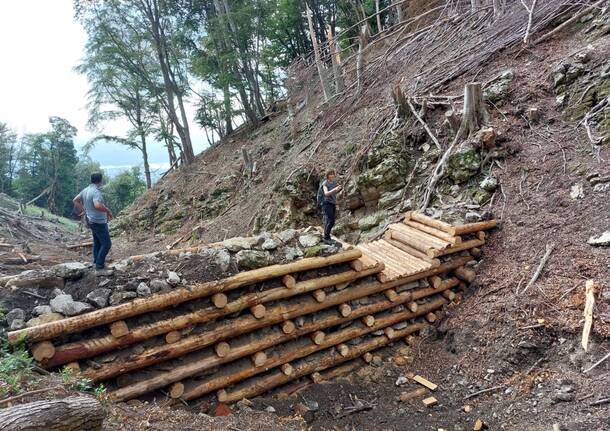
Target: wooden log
(259, 359)
(475, 227)
(316, 377)
(449, 294)
(424, 382)
(219, 300)
(368, 320)
(410, 250)
(429, 221)
(434, 231)
(433, 241)
(88, 348)
(177, 296)
(391, 295)
(173, 337)
(119, 329)
(590, 289)
(65, 414)
(345, 310)
(247, 324)
(411, 395)
(367, 357)
(42, 351)
(221, 395)
(435, 281)
(298, 351)
(413, 242)
(412, 306)
(287, 369)
(431, 317)
(343, 349)
(465, 245)
(318, 337)
(288, 327)
(466, 274)
(481, 235)
(476, 252)
(390, 332)
(176, 390)
(363, 263)
(259, 311)
(80, 245)
(289, 281)
(222, 349)
(319, 295)
(74, 367)
(321, 362)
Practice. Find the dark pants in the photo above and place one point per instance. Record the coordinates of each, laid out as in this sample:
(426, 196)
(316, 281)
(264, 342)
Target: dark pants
(329, 218)
(101, 243)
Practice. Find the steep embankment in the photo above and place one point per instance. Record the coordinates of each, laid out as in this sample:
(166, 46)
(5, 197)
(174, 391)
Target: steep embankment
(537, 171)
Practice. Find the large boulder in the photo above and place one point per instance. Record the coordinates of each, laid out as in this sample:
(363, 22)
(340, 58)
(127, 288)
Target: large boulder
(64, 304)
(120, 297)
(463, 165)
(292, 253)
(371, 220)
(239, 243)
(309, 240)
(252, 259)
(16, 314)
(69, 270)
(497, 89)
(287, 235)
(39, 310)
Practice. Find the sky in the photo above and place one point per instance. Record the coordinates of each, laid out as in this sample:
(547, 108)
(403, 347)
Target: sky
(40, 44)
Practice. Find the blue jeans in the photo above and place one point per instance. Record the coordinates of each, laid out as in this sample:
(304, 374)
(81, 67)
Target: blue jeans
(101, 243)
(329, 219)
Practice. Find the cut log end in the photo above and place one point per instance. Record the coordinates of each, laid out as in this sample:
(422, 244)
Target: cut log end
(119, 329)
(412, 306)
(317, 377)
(222, 349)
(343, 349)
(258, 311)
(391, 295)
(287, 369)
(345, 310)
(449, 295)
(220, 300)
(390, 333)
(465, 274)
(289, 281)
(288, 327)
(367, 357)
(43, 351)
(319, 295)
(435, 281)
(318, 337)
(259, 359)
(176, 390)
(172, 337)
(368, 320)
(431, 317)
(221, 395)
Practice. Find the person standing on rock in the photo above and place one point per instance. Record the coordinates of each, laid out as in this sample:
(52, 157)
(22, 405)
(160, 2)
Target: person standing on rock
(327, 197)
(91, 202)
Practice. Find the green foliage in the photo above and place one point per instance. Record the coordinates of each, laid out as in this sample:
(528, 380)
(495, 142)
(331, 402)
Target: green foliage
(123, 189)
(9, 150)
(74, 381)
(15, 368)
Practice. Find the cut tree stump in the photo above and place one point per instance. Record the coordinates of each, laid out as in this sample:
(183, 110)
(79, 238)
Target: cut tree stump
(67, 414)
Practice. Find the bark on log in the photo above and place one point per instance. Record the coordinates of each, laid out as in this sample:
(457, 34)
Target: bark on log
(466, 245)
(466, 274)
(161, 301)
(475, 112)
(67, 414)
(475, 227)
(410, 250)
(89, 348)
(429, 221)
(324, 361)
(434, 231)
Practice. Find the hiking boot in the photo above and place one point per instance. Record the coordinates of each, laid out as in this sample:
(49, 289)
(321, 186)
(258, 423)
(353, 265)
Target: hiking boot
(328, 241)
(103, 271)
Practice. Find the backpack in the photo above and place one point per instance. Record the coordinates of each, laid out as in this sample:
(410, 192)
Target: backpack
(320, 197)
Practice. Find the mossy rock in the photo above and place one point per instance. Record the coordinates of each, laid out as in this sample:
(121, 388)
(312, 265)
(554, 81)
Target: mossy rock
(316, 250)
(463, 165)
(252, 259)
(480, 196)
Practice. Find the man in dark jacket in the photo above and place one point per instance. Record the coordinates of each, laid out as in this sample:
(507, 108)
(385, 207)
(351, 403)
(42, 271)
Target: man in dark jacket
(329, 203)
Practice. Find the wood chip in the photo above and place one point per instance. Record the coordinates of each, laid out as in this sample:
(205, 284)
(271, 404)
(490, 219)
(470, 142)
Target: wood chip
(425, 382)
(478, 425)
(430, 401)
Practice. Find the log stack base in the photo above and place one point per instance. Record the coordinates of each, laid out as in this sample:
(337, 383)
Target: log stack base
(268, 338)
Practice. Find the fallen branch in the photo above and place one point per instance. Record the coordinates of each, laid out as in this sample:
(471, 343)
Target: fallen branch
(423, 123)
(597, 363)
(530, 11)
(484, 391)
(27, 394)
(545, 258)
(600, 402)
(591, 288)
(568, 22)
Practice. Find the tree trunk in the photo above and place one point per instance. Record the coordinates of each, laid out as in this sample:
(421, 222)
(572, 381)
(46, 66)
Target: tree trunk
(145, 160)
(336, 62)
(399, 13)
(475, 112)
(316, 50)
(363, 39)
(68, 414)
(378, 16)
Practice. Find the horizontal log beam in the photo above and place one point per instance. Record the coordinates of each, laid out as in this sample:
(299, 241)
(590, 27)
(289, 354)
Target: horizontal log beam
(178, 296)
(475, 227)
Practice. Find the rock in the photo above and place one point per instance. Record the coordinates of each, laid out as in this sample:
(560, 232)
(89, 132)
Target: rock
(252, 259)
(497, 89)
(64, 304)
(173, 278)
(99, 297)
(239, 243)
(292, 253)
(15, 314)
(222, 410)
(561, 99)
(287, 235)
(41, 309)
(269, 244)
(223, 259)
(17, 324)
(472, 217)
(401, 381)
(121, 265)
(69, 270)
(377, 361)
(44, 318)
(372, 220)
(481, 196)
(463, 165)
(389, 200)
(559, 397)
(577, 191)
(143, 290)
(270, 409)
(309, 240)
(485, 138)
(104, 282)
(489, 184)
(601, 240)
(119, 297)
(157, 285)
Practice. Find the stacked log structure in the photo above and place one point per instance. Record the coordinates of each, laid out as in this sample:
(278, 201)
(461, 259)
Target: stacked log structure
(249, 333)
